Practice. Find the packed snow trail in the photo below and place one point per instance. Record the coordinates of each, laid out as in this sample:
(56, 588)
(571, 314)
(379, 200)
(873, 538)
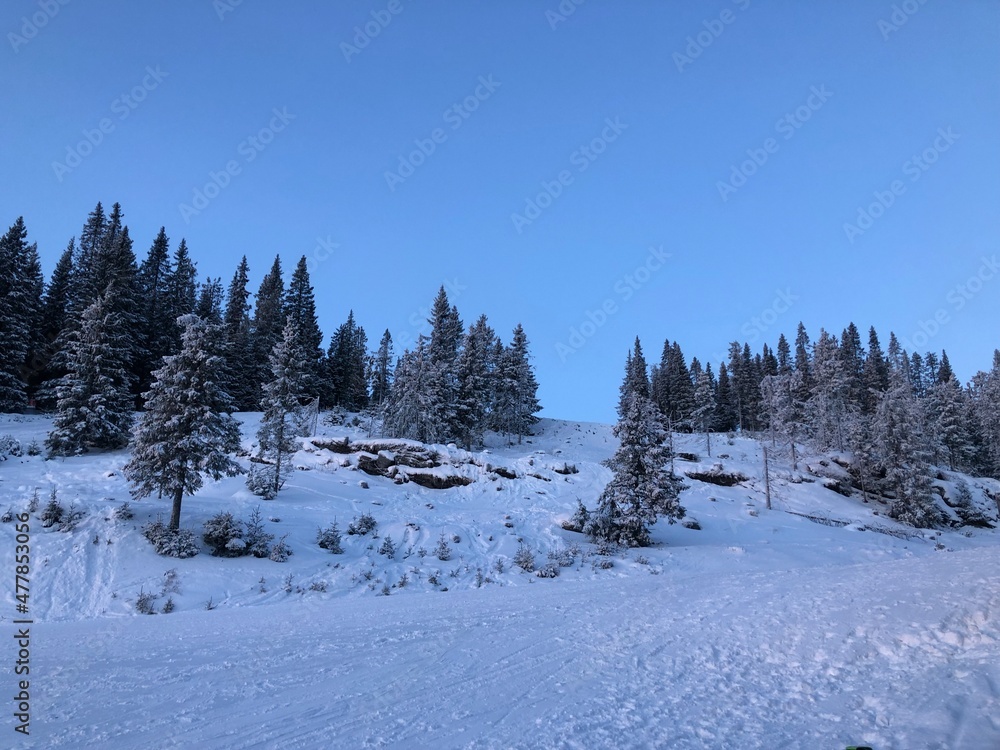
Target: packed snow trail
(900, 655)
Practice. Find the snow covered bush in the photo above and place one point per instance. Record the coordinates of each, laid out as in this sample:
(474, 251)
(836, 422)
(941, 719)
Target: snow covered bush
(281, 551)
(260, 481)
(124, 512)
(9, 446)
(549, 570)
(329, 539)
(524, 558)
(145, 603)
(362, 525)
(224, 534)
(7, 517)
(443, 550)
(258, 541)
(180, 543)
(388, 548)
(966, 510)
(71, 518)
(52, 513)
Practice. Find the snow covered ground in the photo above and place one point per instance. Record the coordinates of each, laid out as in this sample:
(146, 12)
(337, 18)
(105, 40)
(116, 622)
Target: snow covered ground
(761, 629)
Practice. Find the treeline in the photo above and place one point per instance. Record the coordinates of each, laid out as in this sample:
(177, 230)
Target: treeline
(86, 344)
(897, 413)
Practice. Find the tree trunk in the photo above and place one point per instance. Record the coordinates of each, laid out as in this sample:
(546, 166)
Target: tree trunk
(175, 513)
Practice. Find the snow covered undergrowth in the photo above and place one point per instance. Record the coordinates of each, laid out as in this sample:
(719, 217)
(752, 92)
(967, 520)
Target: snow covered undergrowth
(761, 629)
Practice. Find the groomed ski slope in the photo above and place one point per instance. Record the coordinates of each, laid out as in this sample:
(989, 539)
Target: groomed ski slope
(899, 654)
(761, 629)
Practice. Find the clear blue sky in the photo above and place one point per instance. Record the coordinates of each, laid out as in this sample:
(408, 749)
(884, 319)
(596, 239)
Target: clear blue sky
(535, 87)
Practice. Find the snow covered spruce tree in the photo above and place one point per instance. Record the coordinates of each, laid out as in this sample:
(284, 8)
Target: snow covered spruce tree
(281, 423)
(94, 408)
(187, 430)
(904, 461)
(21, 284)
(641, 487)
(516, 389)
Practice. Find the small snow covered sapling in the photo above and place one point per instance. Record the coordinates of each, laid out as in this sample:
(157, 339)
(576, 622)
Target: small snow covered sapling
(388, 548)
(144, 603)
(443, 550)
(281, 551)
(224, 535)
(524, 558)
(53, 512)
(330, 539)
(362, 525)
(258, 541)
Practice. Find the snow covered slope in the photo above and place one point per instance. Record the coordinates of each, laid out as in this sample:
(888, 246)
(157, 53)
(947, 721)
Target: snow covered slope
(760, 629)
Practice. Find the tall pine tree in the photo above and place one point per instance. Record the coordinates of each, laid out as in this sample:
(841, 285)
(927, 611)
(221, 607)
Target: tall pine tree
(94, 408)
(641, 488)
(187, 430)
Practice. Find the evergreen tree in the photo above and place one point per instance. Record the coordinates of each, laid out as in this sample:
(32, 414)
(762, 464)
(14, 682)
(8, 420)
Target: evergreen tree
(157, 321)
(785, 363)
(186, 430)
(301, 305)
(875, 374)
(951, 411)
(94, 406)
(785, 413)
(803, 362)
(516, 389)
(54, 319)
(416, 408)
(852, 357)
(20, 308)
(641, 487)
(902, 459)
(827, 406)
(725, 413)
(239, 378)
(381, 374)
(475, 373)
(268, 323)
(209, 304)
(281, 422)
(347, 366)
(984, 412)
(446, 331)
(182, 291)
(704, 407)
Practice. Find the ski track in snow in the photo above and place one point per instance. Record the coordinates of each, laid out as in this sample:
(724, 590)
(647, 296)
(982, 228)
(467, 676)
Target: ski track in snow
(804, 659)
(763, 630)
